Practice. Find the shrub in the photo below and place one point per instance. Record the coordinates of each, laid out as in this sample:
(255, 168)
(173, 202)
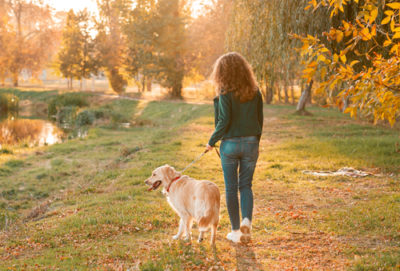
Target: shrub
(85, 117)
(8, 104)
(66, 100)
(20, 130)
(117, 81)
(118, 117)
(6, 151)
(66, 116)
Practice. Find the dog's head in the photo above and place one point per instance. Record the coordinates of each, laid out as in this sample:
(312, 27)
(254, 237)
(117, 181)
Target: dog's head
(161, 175)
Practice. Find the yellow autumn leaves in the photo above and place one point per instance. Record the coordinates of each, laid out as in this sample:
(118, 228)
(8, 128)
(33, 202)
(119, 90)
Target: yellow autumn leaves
(373, 88)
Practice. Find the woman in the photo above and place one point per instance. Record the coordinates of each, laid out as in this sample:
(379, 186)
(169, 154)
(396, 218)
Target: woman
(238, 123)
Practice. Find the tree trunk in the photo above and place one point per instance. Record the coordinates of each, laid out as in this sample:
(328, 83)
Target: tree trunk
(292, 93)
(269, 92)
(15, 79)
(93, 82)
(285, 89)
(279, 93)
(177, 91)
(301, 106)
(309, 98)
(149, 84)
(345, 103)
(143, 84)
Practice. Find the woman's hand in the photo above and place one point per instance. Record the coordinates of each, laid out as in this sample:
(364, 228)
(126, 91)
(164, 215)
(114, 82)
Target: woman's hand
(208, 148)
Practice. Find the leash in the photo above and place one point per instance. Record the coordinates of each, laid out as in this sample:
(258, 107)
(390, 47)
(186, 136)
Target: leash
(178, 177)
(191, 163)
(198, 158)
(217, 152)
(194, 161)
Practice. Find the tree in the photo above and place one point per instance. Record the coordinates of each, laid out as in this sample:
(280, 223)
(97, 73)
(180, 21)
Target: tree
(76, 55)
(206, 37)
(88, 62)
(260, 30)
(33, 38)
(111, 40)
(363, 67)
(5, 39)
(140, 32)
(169, 45)
(69, 55)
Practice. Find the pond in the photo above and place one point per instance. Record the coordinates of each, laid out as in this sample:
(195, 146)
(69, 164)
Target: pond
(29, 132)
(29, 124)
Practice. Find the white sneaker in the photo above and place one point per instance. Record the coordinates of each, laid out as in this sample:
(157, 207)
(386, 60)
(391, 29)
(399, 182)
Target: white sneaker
(234, 236)
(245, 228)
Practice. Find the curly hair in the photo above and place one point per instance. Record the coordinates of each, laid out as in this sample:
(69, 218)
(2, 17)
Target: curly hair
(232, 73)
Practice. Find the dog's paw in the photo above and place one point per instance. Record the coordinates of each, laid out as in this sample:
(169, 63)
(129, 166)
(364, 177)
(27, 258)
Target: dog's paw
(176, 237)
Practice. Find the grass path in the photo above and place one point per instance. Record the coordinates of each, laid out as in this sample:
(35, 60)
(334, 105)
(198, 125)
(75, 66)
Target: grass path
(95, 212)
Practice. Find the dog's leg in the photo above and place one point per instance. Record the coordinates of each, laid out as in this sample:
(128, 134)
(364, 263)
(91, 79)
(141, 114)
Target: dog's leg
(180, 231)
(213, 234)
(188, 229)
(201, 236)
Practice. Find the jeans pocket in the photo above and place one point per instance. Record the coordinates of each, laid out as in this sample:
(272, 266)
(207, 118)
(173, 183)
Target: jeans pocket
(229, 148)
(251, 150)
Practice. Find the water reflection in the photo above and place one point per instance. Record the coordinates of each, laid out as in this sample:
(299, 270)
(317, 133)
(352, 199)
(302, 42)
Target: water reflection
(31, 132)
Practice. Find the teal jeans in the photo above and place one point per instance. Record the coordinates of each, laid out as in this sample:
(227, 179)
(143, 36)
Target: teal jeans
(239, 154)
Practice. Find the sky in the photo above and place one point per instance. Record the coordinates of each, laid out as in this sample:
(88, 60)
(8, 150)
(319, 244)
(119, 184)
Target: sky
(92, 7)
(74, 4)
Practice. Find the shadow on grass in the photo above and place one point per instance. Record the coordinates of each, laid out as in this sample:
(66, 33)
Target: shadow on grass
(246, 258)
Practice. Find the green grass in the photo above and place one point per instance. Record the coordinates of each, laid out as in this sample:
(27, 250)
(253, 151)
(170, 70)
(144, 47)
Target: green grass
(31, 95)
(101, 217)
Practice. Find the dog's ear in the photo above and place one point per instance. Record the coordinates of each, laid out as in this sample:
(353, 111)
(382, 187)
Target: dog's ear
(169, 172)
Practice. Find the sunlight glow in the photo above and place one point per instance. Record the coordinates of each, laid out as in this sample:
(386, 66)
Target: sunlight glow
(62, 5)
(76, 5)
(198, 7)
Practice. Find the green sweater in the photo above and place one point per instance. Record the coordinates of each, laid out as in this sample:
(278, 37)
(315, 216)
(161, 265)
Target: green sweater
(234, 119)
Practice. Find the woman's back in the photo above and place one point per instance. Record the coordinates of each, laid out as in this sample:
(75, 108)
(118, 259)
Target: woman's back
(237, 118)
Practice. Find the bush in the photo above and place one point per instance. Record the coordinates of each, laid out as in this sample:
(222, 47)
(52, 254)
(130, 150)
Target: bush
(118, 118)
(85, 117)
(117, 81)
(106, 112)
(66, 116)
(6, 151)
(8, 104)
(100, 113)
(20, 131)
(66, 100)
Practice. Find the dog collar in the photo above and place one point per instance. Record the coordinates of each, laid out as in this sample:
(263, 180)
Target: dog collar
(175, 179)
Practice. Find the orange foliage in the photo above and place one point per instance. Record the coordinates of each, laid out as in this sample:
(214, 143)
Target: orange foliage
(25, 130)
(373, 90)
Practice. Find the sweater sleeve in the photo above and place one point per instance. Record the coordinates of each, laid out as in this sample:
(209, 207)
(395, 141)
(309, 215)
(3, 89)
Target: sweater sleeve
(224, 119)
(216, 110)
(260, 111)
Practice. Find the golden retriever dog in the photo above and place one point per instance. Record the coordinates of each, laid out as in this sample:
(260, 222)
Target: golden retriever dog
(191, 199)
